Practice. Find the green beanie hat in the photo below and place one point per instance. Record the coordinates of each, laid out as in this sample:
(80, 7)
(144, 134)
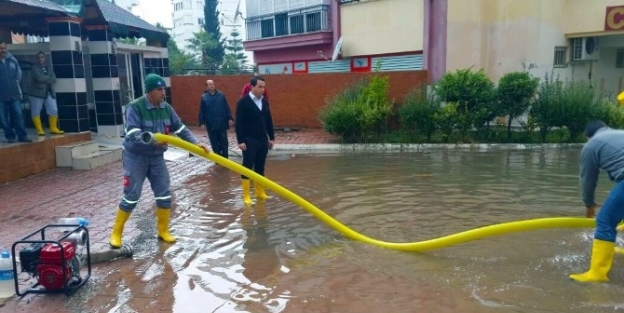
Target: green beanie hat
(153, 81)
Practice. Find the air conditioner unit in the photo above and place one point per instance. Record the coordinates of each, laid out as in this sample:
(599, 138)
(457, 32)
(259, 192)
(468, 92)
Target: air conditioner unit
(584, 49)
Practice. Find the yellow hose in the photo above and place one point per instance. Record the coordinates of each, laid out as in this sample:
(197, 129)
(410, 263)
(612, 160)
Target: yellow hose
(446, 241)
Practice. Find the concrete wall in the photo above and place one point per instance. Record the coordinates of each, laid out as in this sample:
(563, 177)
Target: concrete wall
(295, 99)
(382, 27)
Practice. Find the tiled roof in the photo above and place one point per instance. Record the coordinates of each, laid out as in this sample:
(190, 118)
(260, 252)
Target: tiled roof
(44, 4)
(121, 20)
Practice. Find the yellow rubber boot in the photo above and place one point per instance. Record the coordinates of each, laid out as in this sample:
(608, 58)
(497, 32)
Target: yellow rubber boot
(120, 221)
(37, 122)
(163, 225)
(259, 190)
(54, 125)
(601, 260)
(246, 188)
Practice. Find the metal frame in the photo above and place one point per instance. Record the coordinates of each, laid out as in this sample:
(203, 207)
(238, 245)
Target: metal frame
(67, 289)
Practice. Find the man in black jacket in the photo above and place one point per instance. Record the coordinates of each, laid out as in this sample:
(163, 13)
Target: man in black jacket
(254, 133)
(214, 112)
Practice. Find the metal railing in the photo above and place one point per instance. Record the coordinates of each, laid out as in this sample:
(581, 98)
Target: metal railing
(302, 21)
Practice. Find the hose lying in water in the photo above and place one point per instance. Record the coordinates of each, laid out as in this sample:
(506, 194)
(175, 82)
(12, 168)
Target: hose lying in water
(442, 242)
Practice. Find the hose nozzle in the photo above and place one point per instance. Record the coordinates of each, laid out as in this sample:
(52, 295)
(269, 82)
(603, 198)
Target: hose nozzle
(148, 138)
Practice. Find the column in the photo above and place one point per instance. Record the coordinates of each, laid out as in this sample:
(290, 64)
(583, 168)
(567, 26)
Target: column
(66, 57)
(105, 74)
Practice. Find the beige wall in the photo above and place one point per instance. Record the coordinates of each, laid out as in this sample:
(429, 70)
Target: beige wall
(586, 17)
(381, 26)
(501, 36)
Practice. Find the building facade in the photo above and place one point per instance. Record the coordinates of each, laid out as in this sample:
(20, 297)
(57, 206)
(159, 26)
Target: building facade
(96, 75)
(316, 36)
(188, 18)
(572, 39)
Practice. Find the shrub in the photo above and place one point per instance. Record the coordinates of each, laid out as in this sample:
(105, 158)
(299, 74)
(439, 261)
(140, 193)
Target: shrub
(358, 110)
(418, 112)
(473, 93)
(514, 93)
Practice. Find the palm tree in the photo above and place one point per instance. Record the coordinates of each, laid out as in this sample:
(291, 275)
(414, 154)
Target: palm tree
(201, 43)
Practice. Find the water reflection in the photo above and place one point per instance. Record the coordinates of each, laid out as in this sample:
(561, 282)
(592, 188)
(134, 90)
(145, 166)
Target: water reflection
(275, 257)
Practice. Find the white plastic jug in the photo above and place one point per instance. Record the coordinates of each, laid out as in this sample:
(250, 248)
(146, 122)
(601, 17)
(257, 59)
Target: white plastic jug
(7, 285)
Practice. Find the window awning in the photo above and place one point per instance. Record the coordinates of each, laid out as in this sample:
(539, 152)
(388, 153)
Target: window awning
(26, 16)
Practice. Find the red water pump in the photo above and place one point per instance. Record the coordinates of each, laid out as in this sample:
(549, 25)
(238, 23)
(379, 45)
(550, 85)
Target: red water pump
(50, 268)
(46, 262)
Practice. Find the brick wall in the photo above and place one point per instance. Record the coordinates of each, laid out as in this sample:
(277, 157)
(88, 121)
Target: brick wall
(295, 99)
(25, 159)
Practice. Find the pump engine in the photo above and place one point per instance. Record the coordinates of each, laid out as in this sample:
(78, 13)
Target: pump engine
(45, 262)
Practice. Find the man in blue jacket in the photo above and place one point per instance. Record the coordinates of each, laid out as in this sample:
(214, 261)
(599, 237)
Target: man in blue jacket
(149, 113)
(11, 97)
(214, 112)
(604, 150)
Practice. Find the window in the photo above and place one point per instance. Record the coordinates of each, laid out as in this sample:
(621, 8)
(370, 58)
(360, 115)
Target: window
(560, 57)
(281, 24)
(188, 4)
(296, 24)
(619, 58)
(313, 22)
(200, 21)
(267, 28)
(177, 6)
(188, 19)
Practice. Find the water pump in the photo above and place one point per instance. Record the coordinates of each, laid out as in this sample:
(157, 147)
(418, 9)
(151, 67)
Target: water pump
(52, 265)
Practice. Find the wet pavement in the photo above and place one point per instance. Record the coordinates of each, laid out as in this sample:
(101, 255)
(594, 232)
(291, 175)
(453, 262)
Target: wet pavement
(30, 203)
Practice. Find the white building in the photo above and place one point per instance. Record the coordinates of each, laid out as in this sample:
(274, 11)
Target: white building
(188, 18)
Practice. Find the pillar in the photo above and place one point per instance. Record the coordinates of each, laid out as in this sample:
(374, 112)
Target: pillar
(105, 74)
(66, 58)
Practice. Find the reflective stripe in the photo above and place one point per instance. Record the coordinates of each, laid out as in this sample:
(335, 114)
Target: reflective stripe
(132, 131)
(163, 198)
(128, 201)
(180, 130)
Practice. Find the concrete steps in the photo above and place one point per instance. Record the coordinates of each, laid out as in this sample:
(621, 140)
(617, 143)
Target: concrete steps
(86, 155)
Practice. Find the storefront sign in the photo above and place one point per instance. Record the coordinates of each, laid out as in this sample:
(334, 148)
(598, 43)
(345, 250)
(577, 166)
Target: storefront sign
(615, 18)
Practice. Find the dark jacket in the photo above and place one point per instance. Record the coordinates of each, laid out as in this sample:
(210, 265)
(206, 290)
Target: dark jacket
(251, 123)
(214, 111)
(42, 80)
(10, 76)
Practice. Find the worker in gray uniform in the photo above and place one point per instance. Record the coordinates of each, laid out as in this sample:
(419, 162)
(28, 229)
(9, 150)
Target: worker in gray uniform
(149, 113)
(604, 150)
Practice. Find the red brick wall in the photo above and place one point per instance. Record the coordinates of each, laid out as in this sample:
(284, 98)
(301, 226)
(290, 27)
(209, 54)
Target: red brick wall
(22, 160)
(295, 99)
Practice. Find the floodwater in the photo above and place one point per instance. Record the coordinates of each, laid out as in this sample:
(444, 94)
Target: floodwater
(276, 257)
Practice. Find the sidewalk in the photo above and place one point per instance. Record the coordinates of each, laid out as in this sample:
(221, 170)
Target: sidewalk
(32, 202)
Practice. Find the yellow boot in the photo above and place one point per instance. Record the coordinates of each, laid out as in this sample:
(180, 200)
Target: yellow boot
(54, 125)
(246, 187)
(163, 225)
(37, 122)
(120, 221)
(259, 190)
(601, 260)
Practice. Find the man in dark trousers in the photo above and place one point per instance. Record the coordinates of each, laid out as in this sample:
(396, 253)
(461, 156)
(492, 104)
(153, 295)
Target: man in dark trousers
(214, 112)
(254, 133)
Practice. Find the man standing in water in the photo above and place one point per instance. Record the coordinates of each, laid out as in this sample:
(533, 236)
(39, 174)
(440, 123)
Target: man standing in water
(149, 113)
(603, 150)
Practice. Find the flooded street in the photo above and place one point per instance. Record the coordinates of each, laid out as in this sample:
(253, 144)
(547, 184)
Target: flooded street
(276, 257)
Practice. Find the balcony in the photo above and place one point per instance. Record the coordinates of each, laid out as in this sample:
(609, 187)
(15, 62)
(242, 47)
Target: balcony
(294, 23)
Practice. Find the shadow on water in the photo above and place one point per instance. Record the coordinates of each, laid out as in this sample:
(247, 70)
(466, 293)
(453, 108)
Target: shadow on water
(274, 257)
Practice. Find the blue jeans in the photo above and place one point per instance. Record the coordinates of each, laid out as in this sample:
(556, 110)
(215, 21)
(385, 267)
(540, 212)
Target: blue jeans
(12, 108)
(610, 214)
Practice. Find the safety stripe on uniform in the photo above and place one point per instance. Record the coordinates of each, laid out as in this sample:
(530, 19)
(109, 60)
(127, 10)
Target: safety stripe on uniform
(132, 131)
(128, 201)
(180, 130)
(163, 198)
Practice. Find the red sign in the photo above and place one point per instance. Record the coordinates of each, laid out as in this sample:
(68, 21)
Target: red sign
(614, 19)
